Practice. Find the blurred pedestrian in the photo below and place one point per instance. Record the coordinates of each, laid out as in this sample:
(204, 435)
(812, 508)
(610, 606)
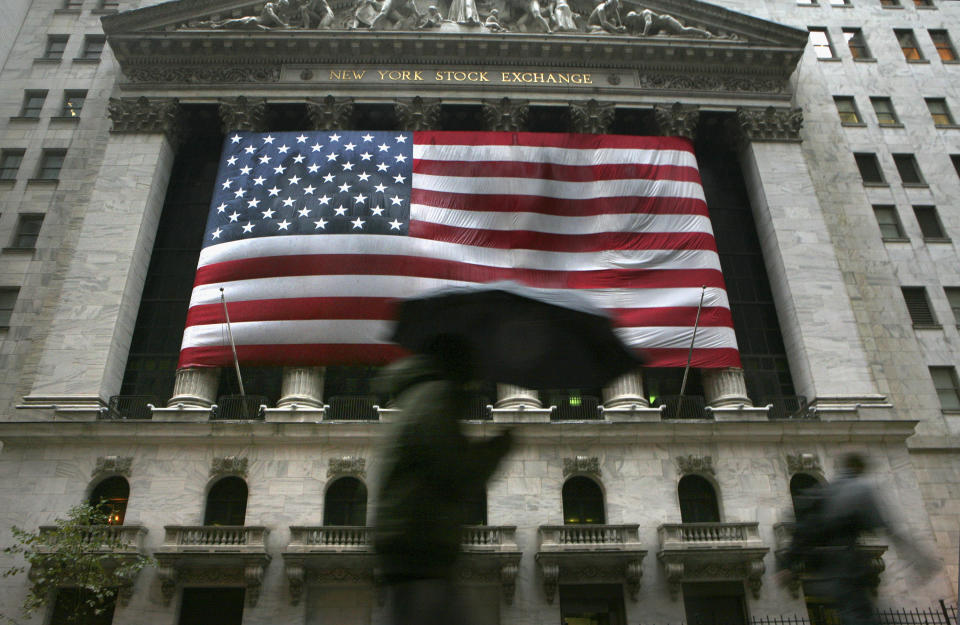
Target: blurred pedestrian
(826, 543)
(431, 470)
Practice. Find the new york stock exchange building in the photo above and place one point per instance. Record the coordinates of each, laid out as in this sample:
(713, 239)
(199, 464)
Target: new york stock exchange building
(829, 159)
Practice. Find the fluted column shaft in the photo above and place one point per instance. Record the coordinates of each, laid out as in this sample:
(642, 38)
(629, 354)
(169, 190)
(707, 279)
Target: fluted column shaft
(725, 387)
(195, 386)
(512, 396)
(302, 386)
(625, 391)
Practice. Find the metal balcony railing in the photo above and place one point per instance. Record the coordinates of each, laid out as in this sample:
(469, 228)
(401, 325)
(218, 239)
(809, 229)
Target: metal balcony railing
(786, 406)
(352, 408)
(130, 407)
(682, 407)
(478, 408)
(239, 408)
(574, 407)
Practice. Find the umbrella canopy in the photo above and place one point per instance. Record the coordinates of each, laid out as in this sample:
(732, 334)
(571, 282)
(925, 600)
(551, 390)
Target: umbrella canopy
(534, 338)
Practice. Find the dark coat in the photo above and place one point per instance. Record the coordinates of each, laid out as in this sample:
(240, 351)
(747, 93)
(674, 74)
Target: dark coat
(430, 470)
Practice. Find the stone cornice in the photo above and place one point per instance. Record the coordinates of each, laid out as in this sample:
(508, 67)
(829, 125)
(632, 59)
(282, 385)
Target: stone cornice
(788, 432)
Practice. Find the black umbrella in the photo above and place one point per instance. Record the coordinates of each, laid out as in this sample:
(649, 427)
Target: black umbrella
(534, 338)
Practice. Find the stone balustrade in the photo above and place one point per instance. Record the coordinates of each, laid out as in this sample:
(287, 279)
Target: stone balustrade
(120, 539)
(330, 537)
(699, 535)
(606, 536)
(215, 537)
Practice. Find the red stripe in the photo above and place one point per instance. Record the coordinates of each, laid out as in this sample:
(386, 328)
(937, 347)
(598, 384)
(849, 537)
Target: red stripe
(680, 316)
(293, 309)
(531, 240)
(310, 354)
(395, 265)
(554, 171)
(551, 139)
(353, 354)
(560, 207)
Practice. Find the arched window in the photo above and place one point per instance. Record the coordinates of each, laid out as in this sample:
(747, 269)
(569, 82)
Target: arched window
(582, 501)
(111, 496)
(227, 502)
(698, 500)
(345, 503)
(801, 493)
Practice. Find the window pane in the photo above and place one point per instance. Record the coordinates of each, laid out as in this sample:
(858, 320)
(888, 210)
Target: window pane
(28, 230)
(929, 222)
(889, 3)
(889, 222)
(923, 3)
(955, 159)
(50, 163)
(847, 109)
(856, 43)
(92, 47)
(908, 169)
(869, 167)
(918, 305)
(908, 43)
(941, 40)
(886, 114)
(10, 164)
(56, 44)
(73, 103)
(945, 381)
(953, 297)
(32, 103)
(939, 112)
(821, 43)
(8, 299)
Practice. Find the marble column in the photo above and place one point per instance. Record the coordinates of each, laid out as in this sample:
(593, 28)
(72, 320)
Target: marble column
(505, 114)
(591, 116)
(511, 396)
(725, 387)
(302, 386)
(92, 327)
(330, 113)
(816, 318)
(625, 391)
(195, 387)
(418, 113)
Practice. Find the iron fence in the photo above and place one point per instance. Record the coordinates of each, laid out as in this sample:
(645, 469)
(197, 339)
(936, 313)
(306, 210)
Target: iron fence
(352, 408)
(574, 407)
(682, 406)
(941, 614)
(239, 408)
(478, 408)
(786, 406)
(130, 407)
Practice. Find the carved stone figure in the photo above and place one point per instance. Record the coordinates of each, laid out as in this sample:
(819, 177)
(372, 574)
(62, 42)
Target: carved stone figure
(313, 12)
(563, 19)
(396, 11)
(606, 17)
(464, 12)
(433, 18)
(269, 18)
(529, 11)
(647, 23)
(493, 22)
(364, 13)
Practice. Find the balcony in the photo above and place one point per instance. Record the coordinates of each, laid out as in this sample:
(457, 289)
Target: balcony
(581, 553)
(220, 554)
(693, 552)
(118, 542)
(871, 544)
(344, 554)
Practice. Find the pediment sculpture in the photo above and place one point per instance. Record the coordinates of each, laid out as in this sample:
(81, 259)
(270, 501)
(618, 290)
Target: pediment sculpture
(609, 17)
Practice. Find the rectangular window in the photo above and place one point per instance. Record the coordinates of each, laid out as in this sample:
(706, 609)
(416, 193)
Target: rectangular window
(73, 103)
(8, 299)
(28, 230)
(918, 305)
(32, 104)
(889, 4)
(822, 46)
(948, 390)
(51, 161)
(889, 221)
(869, 168)
(953, 298)
(941, 41)
(955, 159)
(857, 43)
(108, 5)
(929, 221)
(10, 164)
(939, 112)
(198, 604)
(847, 109)
(80, 606)
(808, 3)
(923, 3)
(886, 114)
(908, 169)
(908, 43)
(56, 44)
(92, 47)
(841, 3)
(72, 4)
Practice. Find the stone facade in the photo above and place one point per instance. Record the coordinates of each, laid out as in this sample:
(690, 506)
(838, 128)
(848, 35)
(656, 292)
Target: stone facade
(853, 351)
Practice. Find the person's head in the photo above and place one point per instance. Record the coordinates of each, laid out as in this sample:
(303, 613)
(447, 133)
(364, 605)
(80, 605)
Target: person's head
(853, 464)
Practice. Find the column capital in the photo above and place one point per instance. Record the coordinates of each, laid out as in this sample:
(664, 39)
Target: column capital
(770, 123)
(147, 115)
(330, 113)
(418, 113)
(591, 116)
(242, 113)
(677, 120)
(505, 114)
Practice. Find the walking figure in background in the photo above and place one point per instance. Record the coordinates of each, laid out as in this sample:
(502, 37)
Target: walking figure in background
(431, 470)
(826, 549)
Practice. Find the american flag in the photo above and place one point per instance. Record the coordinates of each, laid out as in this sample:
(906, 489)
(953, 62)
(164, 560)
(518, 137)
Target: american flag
(313, 235)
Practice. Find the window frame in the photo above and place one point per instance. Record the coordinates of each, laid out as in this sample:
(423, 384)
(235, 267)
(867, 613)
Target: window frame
(909, 45)
(90, 43)
(890, 4)
(924, 4)
(906, 162)
(26, 220)
(929, 215)
(895, 223)
(952, 294)
(827, 44)
(919, 308)
(43, 166)
(955, 159)
(942, 118)
(9, 173)
(50, 51)
(854, 112)
(891, 113)
(860, 159)
(942, 42)
(857, 44)
(8, 304)
(70, 95)
(940, 389)
(32, 104)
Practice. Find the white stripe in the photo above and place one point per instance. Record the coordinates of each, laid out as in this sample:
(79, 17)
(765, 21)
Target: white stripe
(376, 332)
(400, 287)
(365, 245)
(556, 155)
(552, 224)
(558, 189)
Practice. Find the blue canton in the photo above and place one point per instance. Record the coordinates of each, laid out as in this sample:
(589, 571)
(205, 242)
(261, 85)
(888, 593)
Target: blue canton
(331, 182)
